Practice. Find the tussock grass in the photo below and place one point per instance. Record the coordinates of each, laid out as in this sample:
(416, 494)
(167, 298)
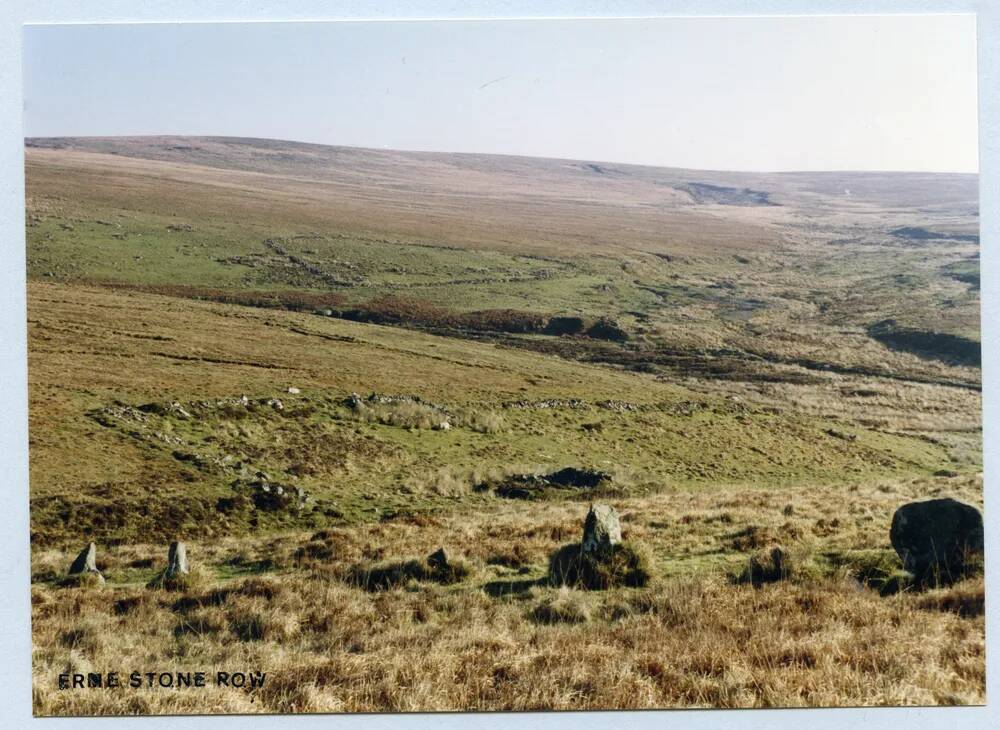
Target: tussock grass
(691, 642)
(87, 580)
(401, 573)
(767, 566)
(625, 564)
(749, 408)
(562, 607)
(193, 580)
(967, 598)
(502, 638)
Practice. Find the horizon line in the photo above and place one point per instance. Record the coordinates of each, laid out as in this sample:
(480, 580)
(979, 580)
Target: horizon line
(872, 171)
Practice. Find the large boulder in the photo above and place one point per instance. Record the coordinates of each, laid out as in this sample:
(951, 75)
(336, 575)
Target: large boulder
(938, 540)
(601, 530)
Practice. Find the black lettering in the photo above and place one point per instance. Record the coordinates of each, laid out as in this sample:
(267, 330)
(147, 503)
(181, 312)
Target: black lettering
(257, 680)
(135, 680)
(93, 680)
(199, 679)
(77, 681)
(113, 679)
(222, 679)
(239, 679)
(63, 681)
(183, 679)
(150, 676)
(166, 679)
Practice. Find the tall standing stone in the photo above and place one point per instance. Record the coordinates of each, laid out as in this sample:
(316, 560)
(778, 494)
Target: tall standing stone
(84, 568)
(601, 530)
(177, 563)
(86, 561)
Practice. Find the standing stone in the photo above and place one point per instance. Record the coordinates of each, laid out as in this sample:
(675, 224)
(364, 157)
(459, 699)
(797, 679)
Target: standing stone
(86, 561)
(177, 563)
(935, 539)
(601, 530)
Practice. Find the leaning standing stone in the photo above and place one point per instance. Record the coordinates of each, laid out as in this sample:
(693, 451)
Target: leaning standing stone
(601, 530)
(937, 540)
(177, 563)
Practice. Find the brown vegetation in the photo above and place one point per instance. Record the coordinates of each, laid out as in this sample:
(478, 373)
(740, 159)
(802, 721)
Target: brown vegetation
(492, 634)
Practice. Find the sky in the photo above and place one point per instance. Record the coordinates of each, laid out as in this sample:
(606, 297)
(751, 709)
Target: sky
(762, 94)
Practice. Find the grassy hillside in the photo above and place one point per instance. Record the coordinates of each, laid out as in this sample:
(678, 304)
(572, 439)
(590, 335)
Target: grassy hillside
(152, 387)
(318, 363)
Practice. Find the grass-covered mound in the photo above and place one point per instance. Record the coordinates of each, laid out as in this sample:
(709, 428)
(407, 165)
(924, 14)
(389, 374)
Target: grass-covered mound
(623, 565)
(395, 574)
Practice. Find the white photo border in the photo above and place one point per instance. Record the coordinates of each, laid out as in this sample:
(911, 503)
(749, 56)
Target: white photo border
(15, 634)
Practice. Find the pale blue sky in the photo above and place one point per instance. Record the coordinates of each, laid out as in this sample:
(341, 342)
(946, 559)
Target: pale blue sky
(807, 93)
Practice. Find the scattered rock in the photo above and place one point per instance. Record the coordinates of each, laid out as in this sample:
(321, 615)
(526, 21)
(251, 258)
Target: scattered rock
(939, 540)
(438, 559)
(271, 497)
(601, 530)
(578, 478)
(178, 410)
(606, 329)
(294, 391)
(532, 486)
(841, 434)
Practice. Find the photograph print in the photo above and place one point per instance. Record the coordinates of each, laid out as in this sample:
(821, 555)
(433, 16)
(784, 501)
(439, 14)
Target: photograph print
(497, 365)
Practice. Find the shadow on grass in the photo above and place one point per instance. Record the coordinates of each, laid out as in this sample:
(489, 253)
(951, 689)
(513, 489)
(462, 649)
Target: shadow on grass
(518, 588)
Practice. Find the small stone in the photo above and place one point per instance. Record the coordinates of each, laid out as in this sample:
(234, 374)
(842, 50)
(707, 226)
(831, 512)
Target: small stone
(177, 563)
(601, 530)
(438, 559)
(294, 391)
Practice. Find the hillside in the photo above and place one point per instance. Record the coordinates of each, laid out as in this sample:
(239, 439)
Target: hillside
(318, 366)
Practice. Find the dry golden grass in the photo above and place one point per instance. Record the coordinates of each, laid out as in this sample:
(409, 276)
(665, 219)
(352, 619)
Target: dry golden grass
(759, 452)
(499, 637)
